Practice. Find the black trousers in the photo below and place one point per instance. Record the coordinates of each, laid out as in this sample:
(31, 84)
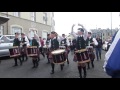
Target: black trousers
(53, 67)
(40, 49)
(24, 56)
(92, 64)
(80, 71)
(35, 62)
(48, 58)
(16, 58)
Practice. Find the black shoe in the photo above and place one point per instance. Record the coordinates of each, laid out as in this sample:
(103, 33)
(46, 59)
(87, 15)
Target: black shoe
(52, 72)
(21, 63)
(80, 76)
(61, 67)
(84, 76)
(48, 62)
(88, 68)
(67, 62)
(33, 67)
(15, 65)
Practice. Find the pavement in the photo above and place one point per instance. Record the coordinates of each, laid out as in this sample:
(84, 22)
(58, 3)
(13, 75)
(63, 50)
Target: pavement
(43, 71)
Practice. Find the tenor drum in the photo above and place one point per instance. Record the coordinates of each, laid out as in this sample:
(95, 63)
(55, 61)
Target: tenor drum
(14, 51)
(82, 56)
(32, 51)
(62, 47)
(58, 56)
(45, 49)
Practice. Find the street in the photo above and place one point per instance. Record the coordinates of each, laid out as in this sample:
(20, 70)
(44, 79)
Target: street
(43, 71)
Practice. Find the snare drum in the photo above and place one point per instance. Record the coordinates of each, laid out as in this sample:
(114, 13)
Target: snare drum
(14, 51)
(32, 51)
(82, 56)
(58, 56)
(90, 50)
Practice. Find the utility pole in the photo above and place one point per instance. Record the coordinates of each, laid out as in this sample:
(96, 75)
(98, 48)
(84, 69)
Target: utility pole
(111, 22)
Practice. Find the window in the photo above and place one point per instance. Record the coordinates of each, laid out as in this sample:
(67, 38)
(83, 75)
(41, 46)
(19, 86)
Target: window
(33, 16)
(17, 14)
(44, 34)
(5, 39)
(103, 34)
(32, 32)
(16, 29)
(45, 18)
(1, 30)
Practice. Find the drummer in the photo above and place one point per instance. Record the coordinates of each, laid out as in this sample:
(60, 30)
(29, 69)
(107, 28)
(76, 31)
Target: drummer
(48, 43)
(91, 42)
(35, 43)
(80, 44)
(64, 42)
(16, 42)
(24, 42)
(54, 46)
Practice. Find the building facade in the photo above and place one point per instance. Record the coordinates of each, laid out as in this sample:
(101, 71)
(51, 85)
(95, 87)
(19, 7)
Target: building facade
(28, 22)
(104, 34)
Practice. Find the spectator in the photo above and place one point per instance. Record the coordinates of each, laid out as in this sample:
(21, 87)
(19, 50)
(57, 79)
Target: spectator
(98, 47)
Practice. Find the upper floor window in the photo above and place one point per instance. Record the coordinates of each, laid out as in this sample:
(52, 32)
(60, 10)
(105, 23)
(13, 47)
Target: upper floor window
(45, 18)
(17, 14)
(32, 16)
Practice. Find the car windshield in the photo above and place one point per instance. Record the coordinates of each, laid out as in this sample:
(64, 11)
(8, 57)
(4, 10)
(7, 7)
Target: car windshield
(6, 40)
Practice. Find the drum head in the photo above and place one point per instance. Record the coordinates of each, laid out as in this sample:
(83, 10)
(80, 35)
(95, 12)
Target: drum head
(62, 46)
(89, 47)
(32, 47)
(58, 52)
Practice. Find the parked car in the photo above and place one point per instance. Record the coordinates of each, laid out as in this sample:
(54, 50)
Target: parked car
(105, 45)
(6, 42)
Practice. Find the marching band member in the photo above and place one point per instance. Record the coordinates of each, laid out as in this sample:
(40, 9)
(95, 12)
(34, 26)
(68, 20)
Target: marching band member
(35, 42)
(41, 48)
(25, 42)
(64, 42)
(54, 46)
(91, 42)
(16, 42)
(80, 44)
(48, 43)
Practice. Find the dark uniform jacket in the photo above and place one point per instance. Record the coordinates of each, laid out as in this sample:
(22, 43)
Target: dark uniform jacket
(47, 41)
(54, 44)
(89, 40)
(80, 43)
(16, 42)
(23, 41)
(35, 43)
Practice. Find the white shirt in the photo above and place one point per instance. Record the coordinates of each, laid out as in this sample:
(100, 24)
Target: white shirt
(94, 40)
(62, 38)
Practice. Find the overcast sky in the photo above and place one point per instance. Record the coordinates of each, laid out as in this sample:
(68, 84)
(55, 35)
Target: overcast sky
(90, 20)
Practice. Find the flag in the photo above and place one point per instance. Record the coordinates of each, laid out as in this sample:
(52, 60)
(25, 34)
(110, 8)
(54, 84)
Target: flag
(114, 36)
(112, 57)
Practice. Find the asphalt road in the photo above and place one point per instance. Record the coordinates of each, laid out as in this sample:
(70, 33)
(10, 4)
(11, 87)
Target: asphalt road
(43, 71)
